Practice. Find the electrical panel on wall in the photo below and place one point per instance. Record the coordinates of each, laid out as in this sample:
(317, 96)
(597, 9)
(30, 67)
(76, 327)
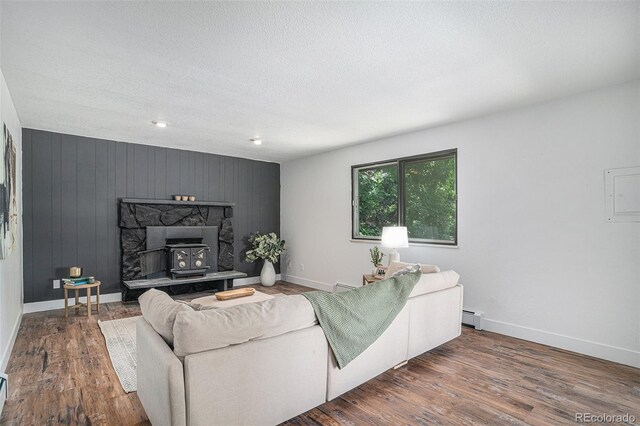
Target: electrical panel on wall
(622, 187)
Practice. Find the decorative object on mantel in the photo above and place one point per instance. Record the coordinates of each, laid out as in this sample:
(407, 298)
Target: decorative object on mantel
(376, 259)
(234, 294)
(268, 247)
(184, 197)
(394, 237)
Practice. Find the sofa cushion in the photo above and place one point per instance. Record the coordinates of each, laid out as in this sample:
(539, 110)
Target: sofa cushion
(159, 310)
(196, 306)
(406, 270)
(198, 331)
(396, 266)
(429, 283)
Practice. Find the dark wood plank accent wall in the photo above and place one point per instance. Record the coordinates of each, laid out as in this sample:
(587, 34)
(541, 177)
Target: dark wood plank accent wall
(71, 188)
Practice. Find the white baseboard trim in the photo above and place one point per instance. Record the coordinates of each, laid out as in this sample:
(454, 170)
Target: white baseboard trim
(239, 282)
(50, 305)
(574, 344)
(7, 352)
(307, 283)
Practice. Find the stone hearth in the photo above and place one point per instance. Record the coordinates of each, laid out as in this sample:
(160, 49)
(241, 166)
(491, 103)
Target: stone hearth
(136, 215)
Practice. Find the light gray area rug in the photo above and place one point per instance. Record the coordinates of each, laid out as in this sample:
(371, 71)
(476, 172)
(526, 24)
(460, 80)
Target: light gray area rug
(120, 337)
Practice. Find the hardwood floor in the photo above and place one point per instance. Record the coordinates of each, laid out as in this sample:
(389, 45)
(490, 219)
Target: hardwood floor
(60, 373)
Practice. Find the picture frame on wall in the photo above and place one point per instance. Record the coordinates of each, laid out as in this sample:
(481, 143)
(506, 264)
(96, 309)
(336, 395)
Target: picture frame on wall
(8, 201)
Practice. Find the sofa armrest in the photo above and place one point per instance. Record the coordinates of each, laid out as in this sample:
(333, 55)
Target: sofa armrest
(435, 318)
(160, 378)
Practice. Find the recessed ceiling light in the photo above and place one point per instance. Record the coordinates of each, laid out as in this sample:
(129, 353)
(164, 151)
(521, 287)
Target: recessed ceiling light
(256, 141)
(162, 124)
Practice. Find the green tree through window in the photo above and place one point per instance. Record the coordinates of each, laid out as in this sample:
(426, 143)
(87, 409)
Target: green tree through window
(378, 199)
(430, 199)
(418, 192)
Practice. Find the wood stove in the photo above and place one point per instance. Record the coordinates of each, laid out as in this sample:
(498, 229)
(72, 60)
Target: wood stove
(180, 252)
(187, 258)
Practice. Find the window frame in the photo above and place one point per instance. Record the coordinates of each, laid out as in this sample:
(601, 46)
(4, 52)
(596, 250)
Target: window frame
(400, 163)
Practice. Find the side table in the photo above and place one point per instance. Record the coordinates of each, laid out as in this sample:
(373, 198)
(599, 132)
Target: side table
(370, 278)
(77, 305)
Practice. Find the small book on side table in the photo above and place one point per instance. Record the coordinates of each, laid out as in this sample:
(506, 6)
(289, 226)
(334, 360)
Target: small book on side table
(78, 281)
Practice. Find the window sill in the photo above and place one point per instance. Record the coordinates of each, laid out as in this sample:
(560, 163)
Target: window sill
(377, 242)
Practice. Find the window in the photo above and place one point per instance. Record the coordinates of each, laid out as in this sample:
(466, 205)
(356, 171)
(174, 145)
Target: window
(417, 192)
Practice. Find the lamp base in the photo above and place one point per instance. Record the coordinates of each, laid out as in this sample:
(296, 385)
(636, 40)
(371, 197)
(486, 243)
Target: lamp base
(394, 256)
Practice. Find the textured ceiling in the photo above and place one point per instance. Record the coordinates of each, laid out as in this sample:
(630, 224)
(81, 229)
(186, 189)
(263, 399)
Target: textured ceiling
(305, 77)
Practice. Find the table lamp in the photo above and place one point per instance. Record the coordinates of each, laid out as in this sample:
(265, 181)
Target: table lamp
(394, 237)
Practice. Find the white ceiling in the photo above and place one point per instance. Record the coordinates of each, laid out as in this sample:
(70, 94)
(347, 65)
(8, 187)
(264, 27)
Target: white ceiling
(306, 77)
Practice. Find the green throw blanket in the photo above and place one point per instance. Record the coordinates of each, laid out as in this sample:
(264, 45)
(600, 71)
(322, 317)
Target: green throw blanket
(354, 319)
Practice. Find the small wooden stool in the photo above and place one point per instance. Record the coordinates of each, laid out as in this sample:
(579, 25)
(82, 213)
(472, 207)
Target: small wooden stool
(77, 289)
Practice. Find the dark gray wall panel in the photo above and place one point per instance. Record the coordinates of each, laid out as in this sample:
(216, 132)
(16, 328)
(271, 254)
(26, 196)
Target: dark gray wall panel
(87, 242)
(57, 199)
(68, 214)
(160, 169)
(41, 199)
(71, 188)
(173, 172)
(27, 211)
(102, 208)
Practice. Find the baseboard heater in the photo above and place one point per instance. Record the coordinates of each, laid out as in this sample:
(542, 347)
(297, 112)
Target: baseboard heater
(472, 319)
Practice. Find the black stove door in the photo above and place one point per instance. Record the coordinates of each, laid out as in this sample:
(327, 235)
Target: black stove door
(181, 259)
(152, 261)
(199, 258)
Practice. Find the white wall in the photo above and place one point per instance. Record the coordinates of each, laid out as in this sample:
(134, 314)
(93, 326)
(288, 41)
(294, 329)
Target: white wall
(11, 268)
(535, 253)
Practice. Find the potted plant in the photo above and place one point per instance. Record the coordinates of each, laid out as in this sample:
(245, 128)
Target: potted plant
(269, 248)
(376, 258)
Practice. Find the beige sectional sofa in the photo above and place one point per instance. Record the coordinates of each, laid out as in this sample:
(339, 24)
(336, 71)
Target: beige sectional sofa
(263, 363)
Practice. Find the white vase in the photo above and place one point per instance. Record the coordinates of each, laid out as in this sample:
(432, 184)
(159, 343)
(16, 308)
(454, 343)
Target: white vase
(268, 274)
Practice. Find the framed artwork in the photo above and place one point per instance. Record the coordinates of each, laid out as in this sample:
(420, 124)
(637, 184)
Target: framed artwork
(8, 202)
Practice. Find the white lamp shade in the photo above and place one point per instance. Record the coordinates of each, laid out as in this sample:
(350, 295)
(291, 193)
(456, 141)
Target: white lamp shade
(394, 237)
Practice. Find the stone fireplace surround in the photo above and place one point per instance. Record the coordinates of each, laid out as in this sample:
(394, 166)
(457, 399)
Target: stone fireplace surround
(137, 214)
